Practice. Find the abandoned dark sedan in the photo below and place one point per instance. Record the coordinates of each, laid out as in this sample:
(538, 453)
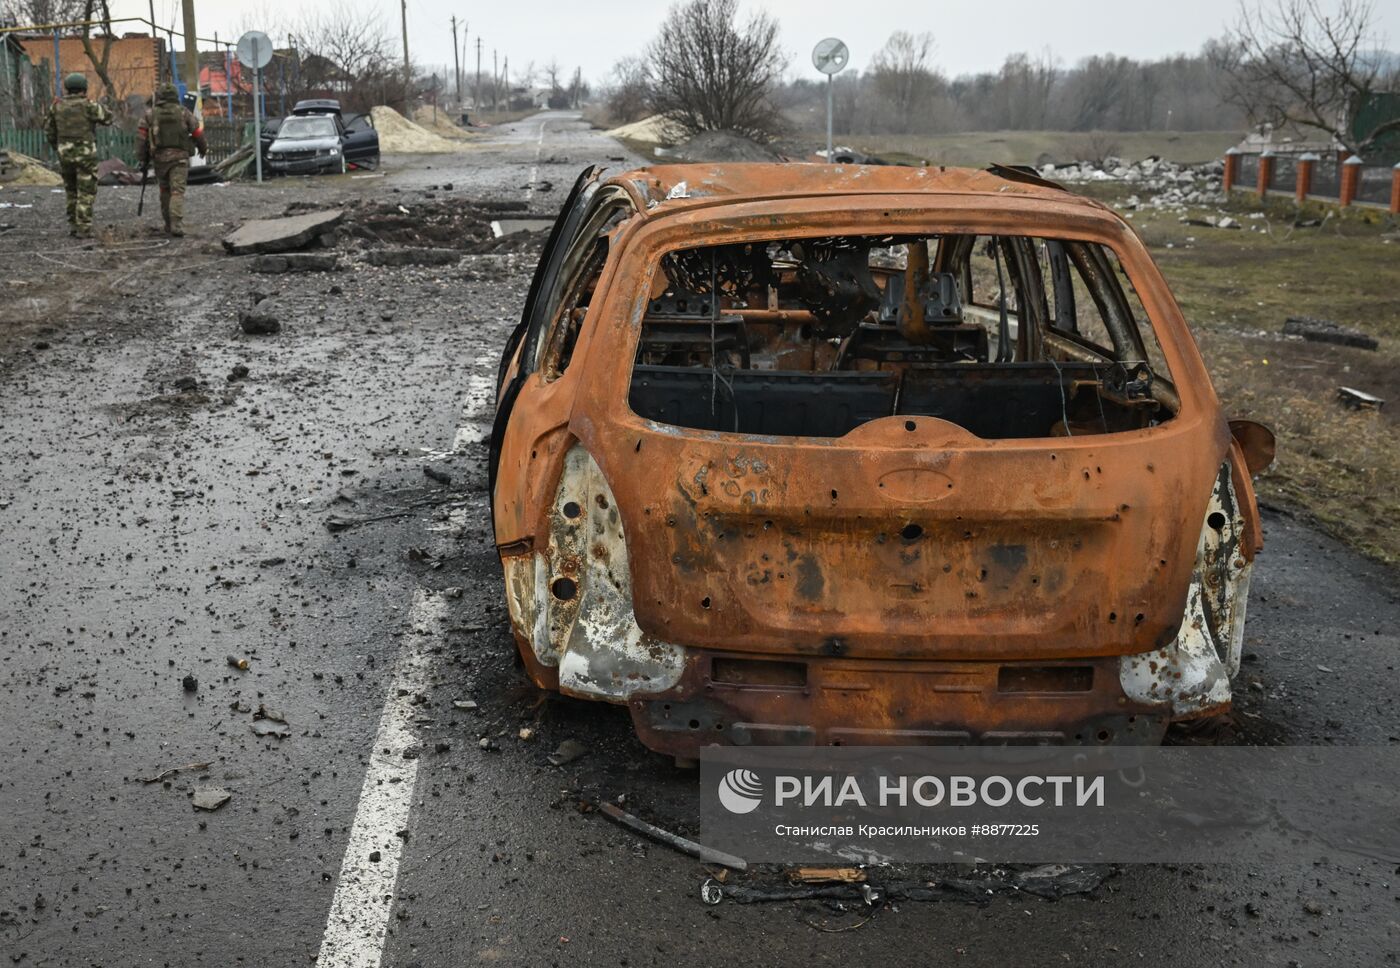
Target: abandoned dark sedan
(316, 138)
(838, 454)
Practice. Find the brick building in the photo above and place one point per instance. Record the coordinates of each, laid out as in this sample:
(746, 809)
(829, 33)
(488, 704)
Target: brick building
(133, 64)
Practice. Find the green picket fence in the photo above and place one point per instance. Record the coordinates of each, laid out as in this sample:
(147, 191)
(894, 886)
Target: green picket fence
(111, 143)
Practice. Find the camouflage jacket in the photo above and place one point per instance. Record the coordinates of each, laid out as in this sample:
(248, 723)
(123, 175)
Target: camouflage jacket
(147, 148)
(72, 119)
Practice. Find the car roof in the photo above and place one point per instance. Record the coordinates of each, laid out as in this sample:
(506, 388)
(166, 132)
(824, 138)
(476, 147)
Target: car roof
(759, 181)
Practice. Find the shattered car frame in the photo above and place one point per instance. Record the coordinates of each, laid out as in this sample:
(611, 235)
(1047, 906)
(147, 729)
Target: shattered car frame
(815, 454)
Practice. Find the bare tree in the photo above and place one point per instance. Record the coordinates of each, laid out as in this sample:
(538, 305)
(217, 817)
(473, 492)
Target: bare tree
(627, 96)
(1026, 84)
(351, 37)
(1296, 63)
(706, 72)
(347, 49)
(99, 61)
(902, 76)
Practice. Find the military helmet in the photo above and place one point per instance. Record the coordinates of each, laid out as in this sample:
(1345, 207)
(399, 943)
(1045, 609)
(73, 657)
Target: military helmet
(167, 92)
(75, 82)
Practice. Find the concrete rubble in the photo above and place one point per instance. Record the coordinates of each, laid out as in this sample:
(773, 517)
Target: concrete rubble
(1161, 184)
(295, 262)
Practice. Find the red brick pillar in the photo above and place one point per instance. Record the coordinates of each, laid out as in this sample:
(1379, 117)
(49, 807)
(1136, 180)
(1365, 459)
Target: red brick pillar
(1232, 169)
(1395, 190)
(1351, 179)
(1266, 171)
(1305, 172)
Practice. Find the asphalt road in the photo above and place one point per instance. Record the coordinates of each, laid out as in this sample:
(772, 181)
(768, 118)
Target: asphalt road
(152, 527)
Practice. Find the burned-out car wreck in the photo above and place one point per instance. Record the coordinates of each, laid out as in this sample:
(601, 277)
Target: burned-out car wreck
(815, 454)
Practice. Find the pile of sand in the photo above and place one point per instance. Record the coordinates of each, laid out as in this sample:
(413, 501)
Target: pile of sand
(443, 124)
(398, 135)
(655, 128)
(723, 146)
(18, 169)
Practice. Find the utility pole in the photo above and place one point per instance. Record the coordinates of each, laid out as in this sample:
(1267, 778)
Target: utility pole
(505, 79)
(478, 76)
(191, 49)
(155, 39)
(495, 80)
(456, 60)
(407, 68)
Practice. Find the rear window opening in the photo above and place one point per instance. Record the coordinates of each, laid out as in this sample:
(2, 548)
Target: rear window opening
(1005, 336)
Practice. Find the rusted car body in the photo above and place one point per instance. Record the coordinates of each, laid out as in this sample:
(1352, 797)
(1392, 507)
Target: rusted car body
(809, 454)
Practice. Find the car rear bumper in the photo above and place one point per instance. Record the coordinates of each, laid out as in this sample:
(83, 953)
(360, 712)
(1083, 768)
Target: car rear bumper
(737, 699)
(843, 702)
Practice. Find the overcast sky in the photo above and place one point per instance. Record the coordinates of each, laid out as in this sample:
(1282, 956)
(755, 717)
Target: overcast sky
(969, 36)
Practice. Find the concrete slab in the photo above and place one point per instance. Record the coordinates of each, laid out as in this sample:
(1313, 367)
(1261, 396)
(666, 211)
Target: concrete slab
(281, 234)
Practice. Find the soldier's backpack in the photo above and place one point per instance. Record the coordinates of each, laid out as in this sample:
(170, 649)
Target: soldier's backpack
(168, 129)
(74, 123)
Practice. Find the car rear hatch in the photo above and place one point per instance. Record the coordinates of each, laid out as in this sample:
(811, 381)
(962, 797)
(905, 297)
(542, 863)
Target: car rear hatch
(911, 538)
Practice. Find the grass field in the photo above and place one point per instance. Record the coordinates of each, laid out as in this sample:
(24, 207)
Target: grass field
(978, 149)
(1338, 467)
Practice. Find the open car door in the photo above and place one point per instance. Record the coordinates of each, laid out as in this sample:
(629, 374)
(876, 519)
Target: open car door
(360, 140)
(522, 348)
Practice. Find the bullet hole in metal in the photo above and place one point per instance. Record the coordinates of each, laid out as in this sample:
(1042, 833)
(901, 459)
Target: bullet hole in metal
(564, 589)
(705, 602)
(1113, 616)
(910, 426)
(572, 510)
(1216, 520)
(911, 532)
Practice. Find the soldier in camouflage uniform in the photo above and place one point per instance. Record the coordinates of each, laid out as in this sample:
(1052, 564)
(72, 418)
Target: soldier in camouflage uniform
(168, 135)
(70, 127)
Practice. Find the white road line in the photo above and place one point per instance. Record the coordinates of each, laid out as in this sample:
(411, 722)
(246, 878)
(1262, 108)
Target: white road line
(477, 411)
(535, 168)
(364, 895)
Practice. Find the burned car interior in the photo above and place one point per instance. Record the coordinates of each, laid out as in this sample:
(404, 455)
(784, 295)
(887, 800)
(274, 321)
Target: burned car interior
(1004, 336)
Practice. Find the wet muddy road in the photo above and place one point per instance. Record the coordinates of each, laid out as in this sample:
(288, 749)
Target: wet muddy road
(165, 517)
